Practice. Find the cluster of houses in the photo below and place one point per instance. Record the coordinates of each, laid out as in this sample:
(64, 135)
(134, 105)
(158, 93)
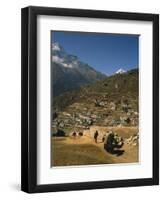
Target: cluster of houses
(100, 112)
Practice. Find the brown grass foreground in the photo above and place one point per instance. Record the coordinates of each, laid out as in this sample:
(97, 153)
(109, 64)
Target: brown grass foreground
(70, 151)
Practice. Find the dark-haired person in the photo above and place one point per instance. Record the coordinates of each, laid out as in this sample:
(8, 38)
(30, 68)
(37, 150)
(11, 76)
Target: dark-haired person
(74, 134)
(96, 136)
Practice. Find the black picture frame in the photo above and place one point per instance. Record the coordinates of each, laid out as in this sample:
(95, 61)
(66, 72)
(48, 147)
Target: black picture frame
(29, 99)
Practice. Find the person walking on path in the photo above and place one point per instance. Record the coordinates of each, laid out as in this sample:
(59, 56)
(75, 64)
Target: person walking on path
(96, 136)
(103, 138)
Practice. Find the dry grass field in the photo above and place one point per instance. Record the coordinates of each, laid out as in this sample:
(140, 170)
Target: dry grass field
(82, 150)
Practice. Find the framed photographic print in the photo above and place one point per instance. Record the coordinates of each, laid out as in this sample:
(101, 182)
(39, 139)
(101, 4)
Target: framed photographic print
(90, 99)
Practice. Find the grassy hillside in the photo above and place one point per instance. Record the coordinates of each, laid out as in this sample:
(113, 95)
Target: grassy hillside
(108, 102)
(112, 87)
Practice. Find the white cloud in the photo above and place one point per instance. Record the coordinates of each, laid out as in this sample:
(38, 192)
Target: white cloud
(67, 65)
(61, 62)
(57, 59)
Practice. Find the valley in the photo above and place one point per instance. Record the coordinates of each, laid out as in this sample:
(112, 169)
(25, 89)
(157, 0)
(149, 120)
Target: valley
(86, 102)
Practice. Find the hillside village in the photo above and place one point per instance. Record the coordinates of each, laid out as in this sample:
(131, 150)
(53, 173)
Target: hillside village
(110, 102)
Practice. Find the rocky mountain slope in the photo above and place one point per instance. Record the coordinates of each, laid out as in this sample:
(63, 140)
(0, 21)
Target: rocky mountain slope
(69, 73)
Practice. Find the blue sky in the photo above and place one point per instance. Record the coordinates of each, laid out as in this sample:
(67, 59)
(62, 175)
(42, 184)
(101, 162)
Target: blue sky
(104, 52)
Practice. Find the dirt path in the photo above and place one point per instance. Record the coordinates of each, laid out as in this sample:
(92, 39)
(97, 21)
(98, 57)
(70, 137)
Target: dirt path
(130, 154)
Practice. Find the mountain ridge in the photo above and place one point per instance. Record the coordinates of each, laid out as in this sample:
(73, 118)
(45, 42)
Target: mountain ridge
(69, 73)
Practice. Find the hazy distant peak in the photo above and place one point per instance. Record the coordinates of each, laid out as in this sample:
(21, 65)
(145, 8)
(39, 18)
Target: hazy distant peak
(120, 71)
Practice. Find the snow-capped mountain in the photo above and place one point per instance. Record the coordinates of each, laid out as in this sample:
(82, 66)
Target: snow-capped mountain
(69, 73)
(56, 47)
(120, 71)
(60, 56)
